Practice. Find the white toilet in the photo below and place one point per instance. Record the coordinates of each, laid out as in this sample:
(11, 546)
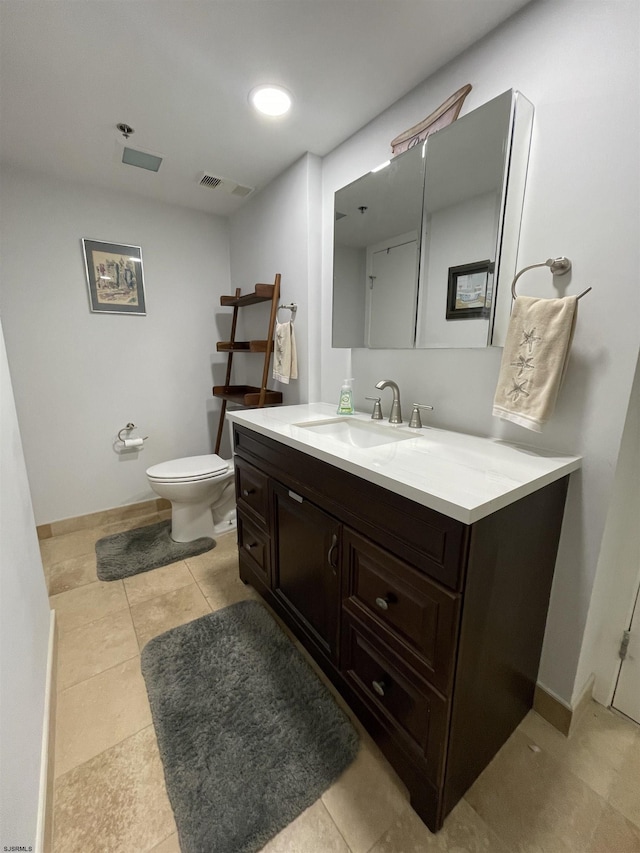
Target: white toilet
(202, 495)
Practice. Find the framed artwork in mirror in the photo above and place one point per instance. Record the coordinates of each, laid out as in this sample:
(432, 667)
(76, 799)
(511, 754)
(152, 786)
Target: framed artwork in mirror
(468, 291)
(114, 277)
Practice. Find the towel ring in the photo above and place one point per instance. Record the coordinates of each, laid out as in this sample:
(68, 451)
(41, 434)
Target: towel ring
(291, 307)
(557, 266)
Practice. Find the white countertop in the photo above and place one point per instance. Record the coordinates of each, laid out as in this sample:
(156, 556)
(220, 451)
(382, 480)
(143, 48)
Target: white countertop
(466, 477)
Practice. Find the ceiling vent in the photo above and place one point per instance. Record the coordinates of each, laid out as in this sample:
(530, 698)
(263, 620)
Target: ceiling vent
(216, 183)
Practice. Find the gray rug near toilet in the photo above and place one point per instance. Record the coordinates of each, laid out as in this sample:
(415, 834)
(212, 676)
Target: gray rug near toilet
(248, 734)
(142, 549)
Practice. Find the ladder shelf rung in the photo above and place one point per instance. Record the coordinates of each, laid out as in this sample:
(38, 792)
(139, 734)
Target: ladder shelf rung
(246, 395)
(261, 293)
(243, 346)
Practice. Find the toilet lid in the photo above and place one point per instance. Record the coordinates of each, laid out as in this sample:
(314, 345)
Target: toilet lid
(189, 468)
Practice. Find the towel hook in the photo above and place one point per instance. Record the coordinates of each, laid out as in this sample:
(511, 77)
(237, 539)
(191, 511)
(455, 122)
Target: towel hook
(557, 266)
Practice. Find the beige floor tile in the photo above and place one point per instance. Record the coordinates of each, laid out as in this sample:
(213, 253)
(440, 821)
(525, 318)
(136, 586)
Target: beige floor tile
(72, 573)
(224, 587)
(60, 548)
(151, 584)
(87, 603)
(366, 800)
(625, 791)
(90, 649)
(116, 802)
(159, 614)
(169, 845)
(615, 834)
(312, 832)
(595, 751)
(98, 713)
(534, 803)
(463, 830)
(222, 556)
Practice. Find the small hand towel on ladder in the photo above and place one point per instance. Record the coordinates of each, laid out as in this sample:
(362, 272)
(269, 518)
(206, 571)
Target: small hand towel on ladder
(285, 360)
(534, 359)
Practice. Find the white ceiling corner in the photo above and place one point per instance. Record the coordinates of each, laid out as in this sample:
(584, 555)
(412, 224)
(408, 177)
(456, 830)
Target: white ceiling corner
(179, 72)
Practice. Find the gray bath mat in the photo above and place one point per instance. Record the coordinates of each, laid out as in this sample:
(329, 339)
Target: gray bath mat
(248, 734)
(133, 551)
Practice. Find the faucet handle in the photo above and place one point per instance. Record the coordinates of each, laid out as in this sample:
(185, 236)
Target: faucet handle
(416, 421)
(376, 415)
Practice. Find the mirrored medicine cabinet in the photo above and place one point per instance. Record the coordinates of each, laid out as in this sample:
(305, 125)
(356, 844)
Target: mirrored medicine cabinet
(425, 247)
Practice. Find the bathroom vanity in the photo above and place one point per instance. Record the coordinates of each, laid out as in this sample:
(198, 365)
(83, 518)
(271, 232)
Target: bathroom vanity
(415, 566)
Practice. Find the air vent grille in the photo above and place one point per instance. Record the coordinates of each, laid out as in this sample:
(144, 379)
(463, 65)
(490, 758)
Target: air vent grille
(210, 181)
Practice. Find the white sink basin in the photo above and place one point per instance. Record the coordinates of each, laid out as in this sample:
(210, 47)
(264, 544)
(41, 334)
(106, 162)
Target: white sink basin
(356, 433)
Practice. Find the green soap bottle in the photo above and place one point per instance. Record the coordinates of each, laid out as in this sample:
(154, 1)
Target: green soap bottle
(345, 406)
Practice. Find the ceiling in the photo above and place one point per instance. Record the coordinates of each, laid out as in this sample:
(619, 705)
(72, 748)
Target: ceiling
(179, 73)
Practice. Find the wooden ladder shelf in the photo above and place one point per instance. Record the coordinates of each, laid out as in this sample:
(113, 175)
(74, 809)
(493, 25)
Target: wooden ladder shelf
(248, 395)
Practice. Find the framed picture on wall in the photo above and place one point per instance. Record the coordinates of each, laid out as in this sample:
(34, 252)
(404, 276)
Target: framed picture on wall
(468, 290)
(114, 277)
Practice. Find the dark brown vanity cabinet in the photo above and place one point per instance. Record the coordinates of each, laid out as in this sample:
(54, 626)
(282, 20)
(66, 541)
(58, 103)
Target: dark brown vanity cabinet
(306, 543)
(431, 629)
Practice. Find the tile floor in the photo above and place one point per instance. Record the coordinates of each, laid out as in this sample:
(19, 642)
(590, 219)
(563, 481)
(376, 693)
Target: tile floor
(542, 793)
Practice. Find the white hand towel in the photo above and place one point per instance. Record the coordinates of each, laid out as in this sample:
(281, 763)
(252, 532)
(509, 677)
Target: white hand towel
(534, 359)
(285, 359)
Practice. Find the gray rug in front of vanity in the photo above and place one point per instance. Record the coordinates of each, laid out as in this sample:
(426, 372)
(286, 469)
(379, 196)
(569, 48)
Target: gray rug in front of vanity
(142, 549)
(248, 734)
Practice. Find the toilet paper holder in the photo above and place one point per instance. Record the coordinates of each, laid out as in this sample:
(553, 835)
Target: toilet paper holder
(129, 442)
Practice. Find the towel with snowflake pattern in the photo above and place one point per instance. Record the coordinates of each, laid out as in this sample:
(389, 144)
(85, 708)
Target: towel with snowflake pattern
(285, 358)
(534, 359)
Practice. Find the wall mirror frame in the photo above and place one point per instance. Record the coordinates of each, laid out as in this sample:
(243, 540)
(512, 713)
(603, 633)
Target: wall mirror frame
(405, 233)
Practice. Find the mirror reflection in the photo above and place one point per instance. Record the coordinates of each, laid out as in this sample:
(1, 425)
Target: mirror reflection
(377, 233)
(421, 245)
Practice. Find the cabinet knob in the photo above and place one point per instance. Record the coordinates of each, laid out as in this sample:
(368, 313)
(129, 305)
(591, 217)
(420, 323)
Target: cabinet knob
(248, 546)
(383, 603)
(380, 686)
(247, 492)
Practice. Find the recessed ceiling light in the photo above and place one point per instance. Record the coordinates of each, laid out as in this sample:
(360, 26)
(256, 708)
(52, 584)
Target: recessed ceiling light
(270, 100)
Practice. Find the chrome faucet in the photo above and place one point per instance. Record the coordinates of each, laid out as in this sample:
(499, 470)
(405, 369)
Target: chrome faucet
(396, 413)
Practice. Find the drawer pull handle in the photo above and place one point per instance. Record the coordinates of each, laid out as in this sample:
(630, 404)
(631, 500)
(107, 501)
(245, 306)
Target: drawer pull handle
(383, 603)
(380, 686)
(250, 546)
(247, 492)
(331, 552)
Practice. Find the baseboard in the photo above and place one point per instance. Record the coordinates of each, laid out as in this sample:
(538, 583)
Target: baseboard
(44, 828)
(554, 710)
(107, 516)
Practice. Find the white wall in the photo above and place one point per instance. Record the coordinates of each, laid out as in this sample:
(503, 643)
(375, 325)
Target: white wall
(277, 231)
(24, 635)
(79, 376)
(618, 573)
(577, 61)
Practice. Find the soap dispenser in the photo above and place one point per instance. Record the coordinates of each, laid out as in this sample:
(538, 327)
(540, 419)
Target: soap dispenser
(345, 406)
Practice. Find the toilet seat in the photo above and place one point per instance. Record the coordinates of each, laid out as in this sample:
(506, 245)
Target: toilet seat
(189, 469)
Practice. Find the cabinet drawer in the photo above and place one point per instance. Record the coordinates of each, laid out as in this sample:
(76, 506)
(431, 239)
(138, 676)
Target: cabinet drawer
(420, 616)
(253, 545)
(408, 707)
(251, 489)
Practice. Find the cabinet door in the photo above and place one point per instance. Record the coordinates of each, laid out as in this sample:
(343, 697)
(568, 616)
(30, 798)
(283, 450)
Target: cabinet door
(307, 545)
